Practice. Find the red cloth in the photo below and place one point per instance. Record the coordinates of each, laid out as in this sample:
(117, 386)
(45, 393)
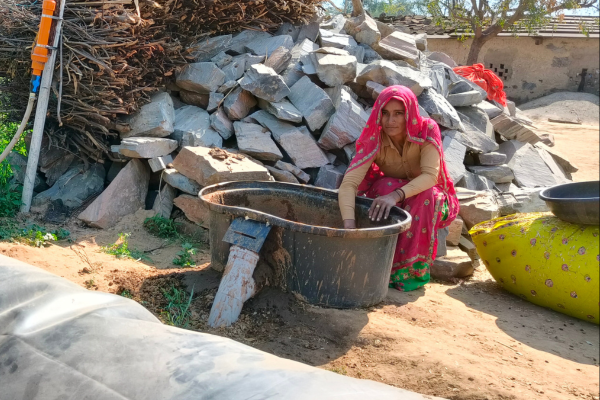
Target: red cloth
(420, 242)
(486, 79)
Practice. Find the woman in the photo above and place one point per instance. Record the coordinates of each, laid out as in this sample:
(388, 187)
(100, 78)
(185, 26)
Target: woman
(399, 161)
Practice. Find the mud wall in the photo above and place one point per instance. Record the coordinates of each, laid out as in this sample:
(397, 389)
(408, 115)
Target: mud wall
(534, 67)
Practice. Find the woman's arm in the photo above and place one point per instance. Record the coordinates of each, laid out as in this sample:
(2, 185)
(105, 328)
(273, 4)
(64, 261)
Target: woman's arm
(347, 194)
(430, 169)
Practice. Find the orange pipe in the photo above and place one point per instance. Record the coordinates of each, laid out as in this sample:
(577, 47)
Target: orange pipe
(39, 55)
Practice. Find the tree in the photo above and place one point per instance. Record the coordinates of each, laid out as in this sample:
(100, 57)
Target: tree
(485, 19)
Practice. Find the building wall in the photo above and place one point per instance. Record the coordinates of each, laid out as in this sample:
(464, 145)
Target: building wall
(534, 67)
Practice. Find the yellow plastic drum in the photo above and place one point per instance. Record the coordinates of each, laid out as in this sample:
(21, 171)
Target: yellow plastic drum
(544, 260)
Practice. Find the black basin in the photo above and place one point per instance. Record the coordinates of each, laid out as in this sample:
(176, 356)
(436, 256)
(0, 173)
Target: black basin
(577, 202)
(308, 248)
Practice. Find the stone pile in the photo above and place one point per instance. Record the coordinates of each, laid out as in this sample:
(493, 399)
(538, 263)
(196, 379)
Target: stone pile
(290, 106)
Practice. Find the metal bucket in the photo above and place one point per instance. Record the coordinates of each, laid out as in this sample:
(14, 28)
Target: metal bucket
(312, 254)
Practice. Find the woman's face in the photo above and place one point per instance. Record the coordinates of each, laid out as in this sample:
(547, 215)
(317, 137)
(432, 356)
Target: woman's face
(393, 119)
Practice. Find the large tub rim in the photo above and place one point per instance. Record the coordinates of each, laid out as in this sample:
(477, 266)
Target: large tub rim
(365, 233)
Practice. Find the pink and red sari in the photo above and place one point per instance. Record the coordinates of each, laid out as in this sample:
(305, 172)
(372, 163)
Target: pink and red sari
(431, 209)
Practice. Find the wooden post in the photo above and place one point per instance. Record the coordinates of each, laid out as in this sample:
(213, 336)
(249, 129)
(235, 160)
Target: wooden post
(40, 118)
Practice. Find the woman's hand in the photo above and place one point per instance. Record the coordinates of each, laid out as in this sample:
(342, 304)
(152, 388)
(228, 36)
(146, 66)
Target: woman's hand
(349, 224)
(382, 205)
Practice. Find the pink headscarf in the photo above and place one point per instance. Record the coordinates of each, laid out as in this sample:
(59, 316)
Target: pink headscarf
(419, 130)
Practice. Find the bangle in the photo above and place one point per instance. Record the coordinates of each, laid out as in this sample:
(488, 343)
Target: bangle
(401, 193)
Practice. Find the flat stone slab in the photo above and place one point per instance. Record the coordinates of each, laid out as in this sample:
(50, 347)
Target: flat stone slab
(345, 126)
(530, 167)
(490, 109)
(455, 264)
(283, 110)
(221, 59)
(279, 60)
(194, 209)
(473, 181)
(238, 104)
(440, 110)
(560, 158)
(143, 147)
(203, 77)
(478, 118)
(159, 163)
(209, 166)
(398, 46)
(154, 119)
(339, 40)
(221, 123)
(492, 158)
(387, 73)
(521, 200)
(333, 69)
(239, 41)
(235, 69)
(207, 48)
(214, 99)
(125, 195)
(330, 177)
(282, 176)
(263, 82)
(312, 101)
(195, 99)
(256, 141)
(181, 182)
(454, 155)
(297, 172)
(481, 207)
(511, 128)
(443, 58)
(465, 99)
(190, 120)
(496, 173)
(364, 29)
(301, 148)
(72, 188)
(163, 204)
(262, 46)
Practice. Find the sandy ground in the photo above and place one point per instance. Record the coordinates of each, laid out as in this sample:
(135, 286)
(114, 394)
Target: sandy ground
(579, 143)
(468, 340)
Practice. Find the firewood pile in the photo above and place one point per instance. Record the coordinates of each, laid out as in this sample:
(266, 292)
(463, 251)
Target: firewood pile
(115, 54)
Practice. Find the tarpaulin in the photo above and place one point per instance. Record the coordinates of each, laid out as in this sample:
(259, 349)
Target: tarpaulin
(60, 341)
(485, 78)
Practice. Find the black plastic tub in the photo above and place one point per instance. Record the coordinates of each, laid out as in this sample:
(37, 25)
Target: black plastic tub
(578, 203)
(308, 250)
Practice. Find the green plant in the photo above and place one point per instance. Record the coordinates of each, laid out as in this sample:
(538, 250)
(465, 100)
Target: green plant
(161, 227)
(120, 249)
(126, 293)
(184, 258)
(339, 370)
(90, 283)
(33, 235)
(177, 312)
(10, 194)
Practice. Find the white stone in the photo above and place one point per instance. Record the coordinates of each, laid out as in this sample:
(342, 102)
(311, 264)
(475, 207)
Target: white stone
(440, 110)
(330, 39)
(345, 126)
(387, 73)
(332, 69)
(163, 204)
(398, 46)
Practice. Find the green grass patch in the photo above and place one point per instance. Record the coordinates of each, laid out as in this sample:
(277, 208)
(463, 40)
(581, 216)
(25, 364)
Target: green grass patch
(10, 195)
(161, 227)
(33, 235)
(185, 256)
(177, 312)
(120, 249)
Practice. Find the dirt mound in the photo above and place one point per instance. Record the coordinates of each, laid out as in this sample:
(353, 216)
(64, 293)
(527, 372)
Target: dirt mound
(564, 105)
